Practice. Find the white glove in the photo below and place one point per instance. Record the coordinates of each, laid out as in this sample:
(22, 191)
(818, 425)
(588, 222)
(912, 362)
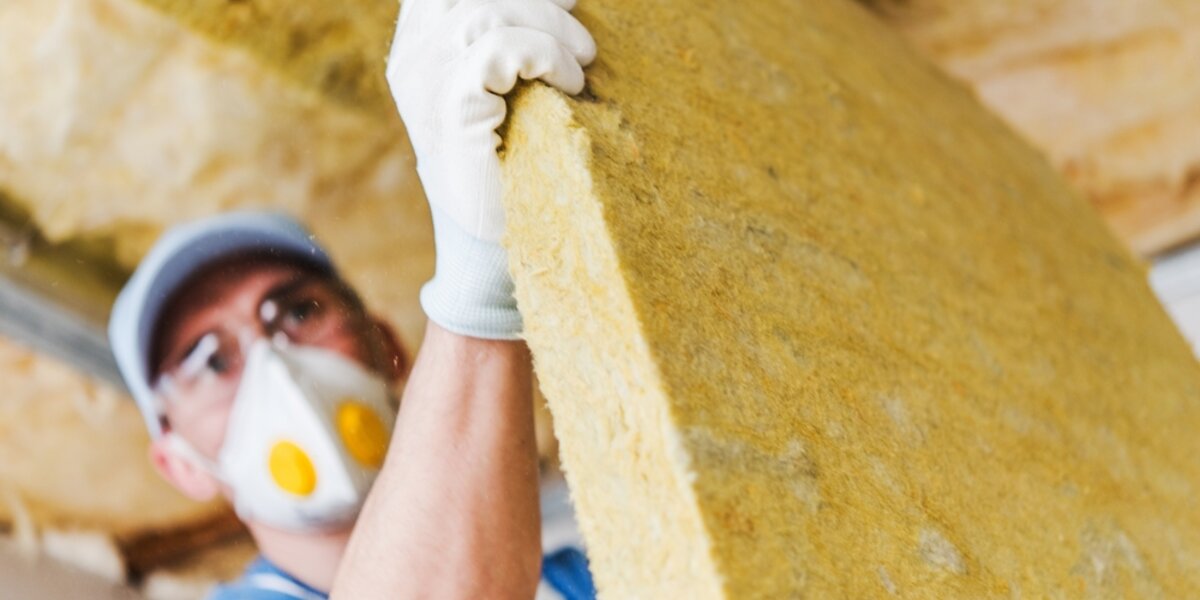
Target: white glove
(451, 61)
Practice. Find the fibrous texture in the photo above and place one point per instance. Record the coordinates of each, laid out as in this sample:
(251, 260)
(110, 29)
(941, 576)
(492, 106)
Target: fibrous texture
(121, 119)
(813, 323)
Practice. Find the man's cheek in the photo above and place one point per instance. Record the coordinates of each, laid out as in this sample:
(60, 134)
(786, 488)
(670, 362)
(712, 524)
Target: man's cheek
(206, 431)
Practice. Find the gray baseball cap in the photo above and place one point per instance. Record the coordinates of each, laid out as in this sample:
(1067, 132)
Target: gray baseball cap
(175, 257)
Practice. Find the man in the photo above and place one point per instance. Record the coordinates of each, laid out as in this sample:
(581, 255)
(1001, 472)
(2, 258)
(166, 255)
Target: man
(263, 379)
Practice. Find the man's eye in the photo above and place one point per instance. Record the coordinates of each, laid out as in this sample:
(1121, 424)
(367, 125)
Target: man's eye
(302, 311)
(218, 364)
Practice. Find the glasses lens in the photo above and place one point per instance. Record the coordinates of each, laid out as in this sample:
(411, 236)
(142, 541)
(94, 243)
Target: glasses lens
(205, 369)
(310, 312)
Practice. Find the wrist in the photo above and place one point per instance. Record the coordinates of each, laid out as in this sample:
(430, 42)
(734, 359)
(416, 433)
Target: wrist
(471, 292)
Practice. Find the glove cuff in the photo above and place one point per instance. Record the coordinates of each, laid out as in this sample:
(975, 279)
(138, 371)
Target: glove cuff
(471, 292)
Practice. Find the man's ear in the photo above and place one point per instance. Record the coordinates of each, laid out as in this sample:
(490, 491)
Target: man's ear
(181, 472)
(394, 358)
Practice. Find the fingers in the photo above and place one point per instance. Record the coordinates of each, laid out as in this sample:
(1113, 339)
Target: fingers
(501, 56)
(547, 16)
(481, 113)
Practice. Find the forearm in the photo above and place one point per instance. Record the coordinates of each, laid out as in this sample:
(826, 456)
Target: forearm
(454, 514)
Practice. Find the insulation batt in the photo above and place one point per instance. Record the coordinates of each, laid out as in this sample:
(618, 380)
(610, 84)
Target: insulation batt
(74, 454)
(813, 323)
(126, 119)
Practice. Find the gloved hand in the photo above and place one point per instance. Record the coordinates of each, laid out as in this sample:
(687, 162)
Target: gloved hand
(451, 61)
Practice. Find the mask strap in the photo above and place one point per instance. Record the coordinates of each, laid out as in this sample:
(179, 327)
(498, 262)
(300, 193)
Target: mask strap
(189, 453)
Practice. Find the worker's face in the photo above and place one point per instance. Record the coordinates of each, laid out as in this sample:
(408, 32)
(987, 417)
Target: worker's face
(206, 330)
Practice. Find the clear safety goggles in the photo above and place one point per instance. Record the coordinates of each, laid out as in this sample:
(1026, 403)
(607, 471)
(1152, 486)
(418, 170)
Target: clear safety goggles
(311, 310)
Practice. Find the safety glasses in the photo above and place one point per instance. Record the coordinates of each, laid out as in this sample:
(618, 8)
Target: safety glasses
(309, 310)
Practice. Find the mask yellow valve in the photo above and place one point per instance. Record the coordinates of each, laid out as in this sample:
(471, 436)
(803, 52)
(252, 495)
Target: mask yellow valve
(292, 469)
(363, 433)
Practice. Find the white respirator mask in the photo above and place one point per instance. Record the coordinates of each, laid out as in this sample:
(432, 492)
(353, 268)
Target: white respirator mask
(307, 434)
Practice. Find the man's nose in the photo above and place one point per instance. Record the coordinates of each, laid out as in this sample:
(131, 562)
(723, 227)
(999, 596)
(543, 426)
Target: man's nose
(246, 332)
(249, 333)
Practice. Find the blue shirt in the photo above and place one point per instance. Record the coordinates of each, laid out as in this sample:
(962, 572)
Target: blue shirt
(565, 571)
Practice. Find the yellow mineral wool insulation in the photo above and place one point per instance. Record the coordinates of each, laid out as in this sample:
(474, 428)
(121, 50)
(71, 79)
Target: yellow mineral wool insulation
(74, 454)
(337, 48)
(119, 121)
(1108, 89)
(140, 112)
(813, 323)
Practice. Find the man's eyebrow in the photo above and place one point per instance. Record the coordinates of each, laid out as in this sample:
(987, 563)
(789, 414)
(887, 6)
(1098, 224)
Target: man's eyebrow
(288, 286)
(283, 289)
